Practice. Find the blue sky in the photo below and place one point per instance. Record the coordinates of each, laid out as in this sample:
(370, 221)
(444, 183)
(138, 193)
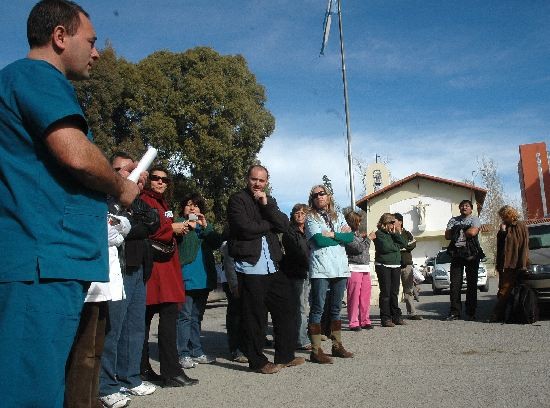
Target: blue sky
(433, 85)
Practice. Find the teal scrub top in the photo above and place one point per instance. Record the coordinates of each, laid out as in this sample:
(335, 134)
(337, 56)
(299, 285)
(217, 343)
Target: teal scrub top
(50, 222)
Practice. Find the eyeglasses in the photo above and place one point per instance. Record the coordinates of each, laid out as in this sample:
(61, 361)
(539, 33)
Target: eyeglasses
(154, 177)
(318, 194)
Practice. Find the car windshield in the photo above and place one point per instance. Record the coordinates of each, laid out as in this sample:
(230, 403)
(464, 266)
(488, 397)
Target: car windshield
(539, 230)
(539, 236)
(443, 258)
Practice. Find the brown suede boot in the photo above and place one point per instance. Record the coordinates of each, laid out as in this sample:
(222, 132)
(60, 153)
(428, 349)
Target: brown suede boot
(317, 355)
(338, 349)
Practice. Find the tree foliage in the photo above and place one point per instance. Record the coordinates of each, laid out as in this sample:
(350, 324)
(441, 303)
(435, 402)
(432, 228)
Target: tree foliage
(204, 112)
(494, 200)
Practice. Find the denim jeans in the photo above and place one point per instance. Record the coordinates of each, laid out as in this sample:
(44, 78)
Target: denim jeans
(319, 287)
(189, 323)
(120, 363)
(300, 290)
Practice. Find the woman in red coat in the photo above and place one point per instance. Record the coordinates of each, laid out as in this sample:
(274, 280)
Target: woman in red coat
(165, 290)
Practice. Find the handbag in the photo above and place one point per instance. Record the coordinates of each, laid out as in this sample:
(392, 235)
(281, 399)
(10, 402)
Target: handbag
(161, 251)
(417, 275)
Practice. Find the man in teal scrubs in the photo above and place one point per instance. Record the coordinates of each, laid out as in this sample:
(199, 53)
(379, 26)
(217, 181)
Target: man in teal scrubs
(53, 183)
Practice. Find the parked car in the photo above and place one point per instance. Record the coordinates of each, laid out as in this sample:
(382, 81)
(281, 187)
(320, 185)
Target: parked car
(538, 272)
(441, 277)
(427, 269)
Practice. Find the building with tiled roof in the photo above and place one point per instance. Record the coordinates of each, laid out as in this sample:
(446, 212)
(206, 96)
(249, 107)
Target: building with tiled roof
(426, 203)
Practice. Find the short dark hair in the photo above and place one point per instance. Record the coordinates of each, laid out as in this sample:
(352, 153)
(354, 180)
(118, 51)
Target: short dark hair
(196, 199)
(121, 154)
(48, 14)
(257, 166)
(466, 202)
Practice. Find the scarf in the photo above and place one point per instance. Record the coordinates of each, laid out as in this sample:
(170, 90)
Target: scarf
(327, 219)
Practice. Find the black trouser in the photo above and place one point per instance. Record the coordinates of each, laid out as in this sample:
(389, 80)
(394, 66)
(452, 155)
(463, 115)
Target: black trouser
(261, 294)
(389, 280)
(167, 334)
(456, 273)
(233, 321)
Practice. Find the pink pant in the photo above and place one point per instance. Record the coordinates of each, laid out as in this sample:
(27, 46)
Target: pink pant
(359, 287)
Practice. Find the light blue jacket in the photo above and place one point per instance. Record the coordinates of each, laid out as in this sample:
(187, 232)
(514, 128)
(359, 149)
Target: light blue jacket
(330, 261)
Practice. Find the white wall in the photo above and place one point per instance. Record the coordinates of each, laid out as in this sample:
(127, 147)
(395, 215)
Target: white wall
(438, 213)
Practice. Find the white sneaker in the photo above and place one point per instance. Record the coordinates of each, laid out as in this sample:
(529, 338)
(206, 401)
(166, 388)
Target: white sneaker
(204, 359)
(145, 388)
(187, 362)
(116, 400)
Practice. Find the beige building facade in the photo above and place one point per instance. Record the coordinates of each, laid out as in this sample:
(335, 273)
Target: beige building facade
(426, 203)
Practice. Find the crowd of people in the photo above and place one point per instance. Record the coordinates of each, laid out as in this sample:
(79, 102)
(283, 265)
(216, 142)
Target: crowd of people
(92, 256)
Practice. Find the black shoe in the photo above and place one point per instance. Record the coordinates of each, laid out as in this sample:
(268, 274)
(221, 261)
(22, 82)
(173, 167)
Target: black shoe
(151, 376)
(180, 381)
(471, 318)
(450, 318)
(400, 322)
(415, 317)
(355, 329)
(367, 327)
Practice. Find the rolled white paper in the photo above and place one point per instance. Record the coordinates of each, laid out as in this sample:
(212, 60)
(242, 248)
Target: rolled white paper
(144, 164)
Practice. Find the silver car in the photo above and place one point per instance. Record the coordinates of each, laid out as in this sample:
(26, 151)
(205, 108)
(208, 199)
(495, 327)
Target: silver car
(538, 272)
(441, 277)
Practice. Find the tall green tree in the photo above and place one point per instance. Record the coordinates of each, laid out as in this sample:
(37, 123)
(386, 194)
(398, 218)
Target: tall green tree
(204, 112)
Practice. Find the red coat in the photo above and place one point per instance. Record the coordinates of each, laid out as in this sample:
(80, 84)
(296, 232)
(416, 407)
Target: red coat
(166, 282)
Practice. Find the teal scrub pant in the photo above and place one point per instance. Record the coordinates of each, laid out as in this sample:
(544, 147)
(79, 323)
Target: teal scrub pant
(38, 322)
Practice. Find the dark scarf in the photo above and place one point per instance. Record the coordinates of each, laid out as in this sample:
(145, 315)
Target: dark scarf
(327, 219)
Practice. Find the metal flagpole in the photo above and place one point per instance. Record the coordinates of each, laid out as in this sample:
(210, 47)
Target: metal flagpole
(348, 131)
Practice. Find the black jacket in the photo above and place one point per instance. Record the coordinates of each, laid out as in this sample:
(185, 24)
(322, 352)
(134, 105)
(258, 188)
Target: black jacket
(249, 222)
(137, 248)
(295, 262)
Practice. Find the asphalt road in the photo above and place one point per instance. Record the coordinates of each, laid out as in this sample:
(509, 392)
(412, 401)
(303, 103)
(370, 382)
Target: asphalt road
(428, 363)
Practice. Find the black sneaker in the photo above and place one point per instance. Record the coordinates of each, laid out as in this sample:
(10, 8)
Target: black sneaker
(450, 318)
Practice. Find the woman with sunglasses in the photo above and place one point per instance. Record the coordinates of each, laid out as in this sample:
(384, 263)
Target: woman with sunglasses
(387, 264)
(327, 233)
(165, 290)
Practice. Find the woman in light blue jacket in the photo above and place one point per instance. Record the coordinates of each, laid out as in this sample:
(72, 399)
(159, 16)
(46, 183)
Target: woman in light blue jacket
(327, 233)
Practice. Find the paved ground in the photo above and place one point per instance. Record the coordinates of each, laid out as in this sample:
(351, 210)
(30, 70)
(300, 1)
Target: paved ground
(427, 363)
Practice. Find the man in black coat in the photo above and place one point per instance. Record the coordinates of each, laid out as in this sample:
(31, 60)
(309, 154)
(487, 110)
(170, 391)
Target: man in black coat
(254, 222)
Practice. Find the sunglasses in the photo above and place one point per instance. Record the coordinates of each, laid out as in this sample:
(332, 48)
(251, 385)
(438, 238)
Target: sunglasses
(318, 194)
(154, 177)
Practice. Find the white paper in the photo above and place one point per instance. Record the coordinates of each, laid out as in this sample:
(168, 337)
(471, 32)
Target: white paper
(144, 164)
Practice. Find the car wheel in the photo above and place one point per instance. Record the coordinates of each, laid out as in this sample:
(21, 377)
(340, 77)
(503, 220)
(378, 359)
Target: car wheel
(484, 288)
(435, 290)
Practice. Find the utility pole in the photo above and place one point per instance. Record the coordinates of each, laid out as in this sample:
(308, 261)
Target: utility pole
(326, 32)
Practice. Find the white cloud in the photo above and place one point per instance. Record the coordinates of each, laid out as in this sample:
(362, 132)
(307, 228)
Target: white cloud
(297, 162)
